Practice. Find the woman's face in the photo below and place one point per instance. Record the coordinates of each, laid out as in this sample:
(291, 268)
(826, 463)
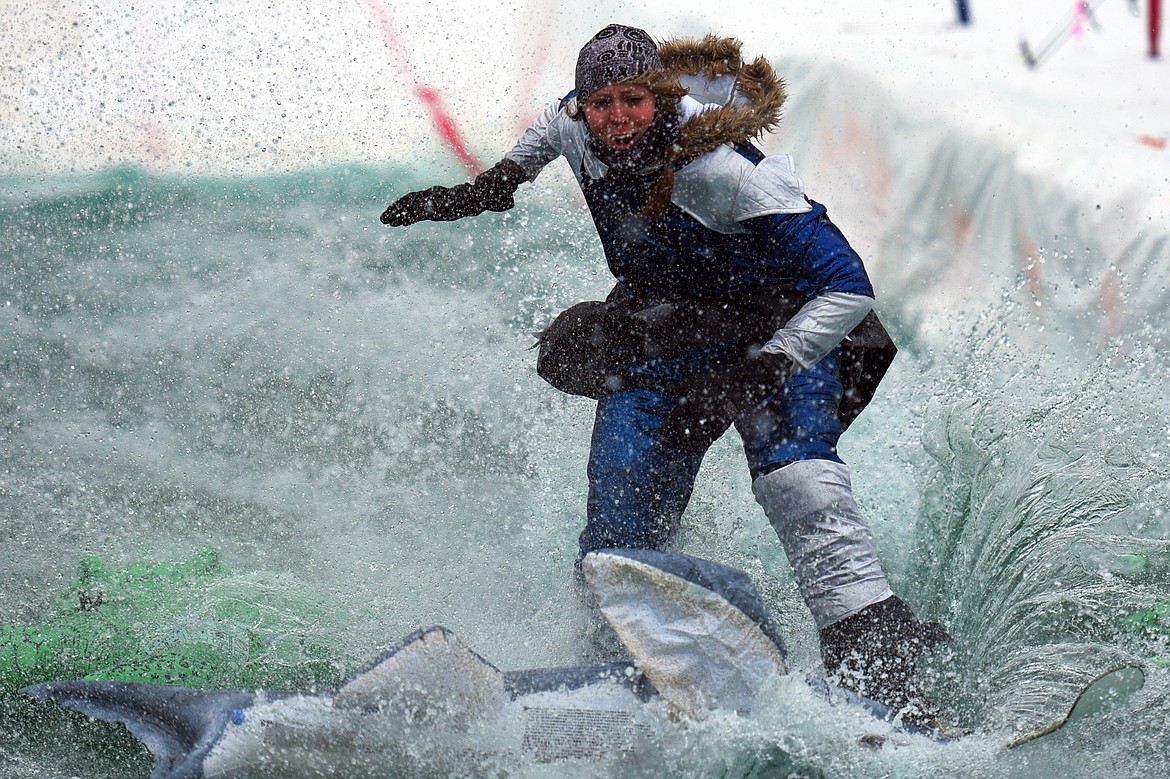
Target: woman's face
(620, 114)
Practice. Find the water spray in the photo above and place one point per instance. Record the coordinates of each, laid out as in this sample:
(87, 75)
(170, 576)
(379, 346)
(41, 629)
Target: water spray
(444, 124)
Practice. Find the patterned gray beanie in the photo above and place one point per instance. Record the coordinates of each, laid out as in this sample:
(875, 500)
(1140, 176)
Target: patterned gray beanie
(612, 55)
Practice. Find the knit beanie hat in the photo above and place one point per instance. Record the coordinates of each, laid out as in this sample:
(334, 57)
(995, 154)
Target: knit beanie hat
(615, 54)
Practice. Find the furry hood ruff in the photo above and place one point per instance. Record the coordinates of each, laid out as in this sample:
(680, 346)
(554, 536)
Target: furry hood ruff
(753, 106)
(713, 58)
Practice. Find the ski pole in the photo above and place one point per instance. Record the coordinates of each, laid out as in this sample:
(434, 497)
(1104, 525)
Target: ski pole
(1058, 36)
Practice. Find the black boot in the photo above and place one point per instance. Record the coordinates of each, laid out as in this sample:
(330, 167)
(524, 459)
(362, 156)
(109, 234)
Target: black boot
(873, 653)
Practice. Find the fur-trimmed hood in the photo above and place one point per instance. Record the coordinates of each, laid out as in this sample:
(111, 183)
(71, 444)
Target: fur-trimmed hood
(746, 98)
(711, 68)
(742, 101)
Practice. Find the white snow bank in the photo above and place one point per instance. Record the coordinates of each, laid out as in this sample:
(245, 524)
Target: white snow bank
(950, 221)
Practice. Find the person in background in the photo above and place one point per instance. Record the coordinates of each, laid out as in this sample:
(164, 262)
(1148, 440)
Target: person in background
(964, 12)
(737, 302)
(1155, 28)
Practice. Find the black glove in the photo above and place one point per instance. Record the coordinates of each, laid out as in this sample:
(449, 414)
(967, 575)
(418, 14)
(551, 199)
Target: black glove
(708, 404)
(492, 190)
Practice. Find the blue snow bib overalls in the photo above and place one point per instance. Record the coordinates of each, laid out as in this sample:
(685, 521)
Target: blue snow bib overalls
(639, 488)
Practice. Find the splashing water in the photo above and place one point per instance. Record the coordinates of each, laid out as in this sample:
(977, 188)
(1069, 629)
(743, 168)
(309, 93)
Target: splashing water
(254, 365)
